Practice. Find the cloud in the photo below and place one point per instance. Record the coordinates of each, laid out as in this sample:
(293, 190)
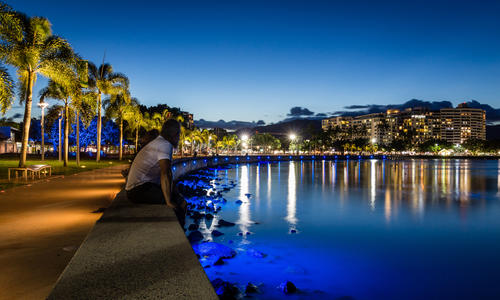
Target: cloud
(321, 115)
(298, 111)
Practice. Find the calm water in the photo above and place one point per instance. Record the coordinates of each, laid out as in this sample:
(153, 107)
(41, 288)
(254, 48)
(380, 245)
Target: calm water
(369, 229)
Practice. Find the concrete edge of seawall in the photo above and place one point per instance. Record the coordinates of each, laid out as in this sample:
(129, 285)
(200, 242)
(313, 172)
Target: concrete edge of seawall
(124, 257)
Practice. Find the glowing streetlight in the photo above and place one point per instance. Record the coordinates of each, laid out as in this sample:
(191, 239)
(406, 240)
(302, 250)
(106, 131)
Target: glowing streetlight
(374, 141)
(43, 105)
(292, 136)
(244, 137)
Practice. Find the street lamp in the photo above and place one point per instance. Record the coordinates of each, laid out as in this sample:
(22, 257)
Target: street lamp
(43, 105)
(293, 137)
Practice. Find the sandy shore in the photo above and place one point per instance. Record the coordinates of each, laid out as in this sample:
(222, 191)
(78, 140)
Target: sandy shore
(44, 223)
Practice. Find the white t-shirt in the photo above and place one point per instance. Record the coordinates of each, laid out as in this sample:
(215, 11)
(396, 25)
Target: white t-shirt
(146, 165)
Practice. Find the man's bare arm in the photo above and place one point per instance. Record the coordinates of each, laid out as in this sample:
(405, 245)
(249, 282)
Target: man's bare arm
(166, 181)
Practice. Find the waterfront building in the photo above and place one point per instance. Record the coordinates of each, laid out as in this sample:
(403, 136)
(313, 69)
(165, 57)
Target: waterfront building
(463, 123)
(417, 124)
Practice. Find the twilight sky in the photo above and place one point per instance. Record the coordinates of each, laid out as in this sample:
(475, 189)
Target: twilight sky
(251, 60)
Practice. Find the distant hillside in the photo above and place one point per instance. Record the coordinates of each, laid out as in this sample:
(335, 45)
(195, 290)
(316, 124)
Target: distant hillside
(302, 127)
(493, 132)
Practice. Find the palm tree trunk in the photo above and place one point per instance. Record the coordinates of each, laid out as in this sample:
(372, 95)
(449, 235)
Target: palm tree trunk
(59, 152)
(121, 139)
(99, 104)
(66, 133)
(27, 120)
(77, 138)
(136, 138)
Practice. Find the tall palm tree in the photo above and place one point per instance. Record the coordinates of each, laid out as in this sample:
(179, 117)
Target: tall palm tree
(104, 81)
(60, 92)
(27, 44)
(116, 107)
(135, 120)
(6, 90)
(85, 109)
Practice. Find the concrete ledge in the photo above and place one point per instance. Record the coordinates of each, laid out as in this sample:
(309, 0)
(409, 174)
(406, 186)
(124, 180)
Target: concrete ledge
(134, 252)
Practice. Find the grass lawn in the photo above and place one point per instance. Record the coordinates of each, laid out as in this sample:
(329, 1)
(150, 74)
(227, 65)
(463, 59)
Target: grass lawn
(57, 168)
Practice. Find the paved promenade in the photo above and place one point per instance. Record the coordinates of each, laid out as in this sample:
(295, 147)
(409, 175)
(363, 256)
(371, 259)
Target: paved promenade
(43, 224)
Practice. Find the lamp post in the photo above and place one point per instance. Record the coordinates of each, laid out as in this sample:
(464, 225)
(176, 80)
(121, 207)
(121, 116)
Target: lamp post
(244, 138)
(43, 105)
(293, 137)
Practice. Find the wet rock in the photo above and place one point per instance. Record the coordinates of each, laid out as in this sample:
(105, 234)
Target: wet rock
(195, 236)
(248, 195)
(255, 253)
(287, 287)
(240, 233)
(209, 216)
(193, 227)
(225, 290)
(239, 202)
(224, 223)
(219, 262)
(216, 233)
(196, 215)
(293, 231)
(214, 249)
(251, 288)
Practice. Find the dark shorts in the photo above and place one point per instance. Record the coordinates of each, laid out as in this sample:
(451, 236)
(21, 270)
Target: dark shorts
(151, 193)
(146, 193)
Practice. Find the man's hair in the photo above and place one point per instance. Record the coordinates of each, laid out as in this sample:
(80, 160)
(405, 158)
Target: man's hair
(170, 128)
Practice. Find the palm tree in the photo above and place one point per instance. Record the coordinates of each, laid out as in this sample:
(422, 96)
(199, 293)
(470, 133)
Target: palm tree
(117, 107)
(28, 45)
(85, 108)
(104, 81)
(135, 120)
(6, 90)
(59, 92)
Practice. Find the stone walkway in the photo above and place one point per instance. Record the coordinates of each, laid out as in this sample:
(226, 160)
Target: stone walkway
(42, 225)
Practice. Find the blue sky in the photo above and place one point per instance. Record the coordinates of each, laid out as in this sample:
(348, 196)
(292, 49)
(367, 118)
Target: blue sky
(252, 60)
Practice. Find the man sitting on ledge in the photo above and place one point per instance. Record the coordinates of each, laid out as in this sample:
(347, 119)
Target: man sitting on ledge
(150, 177)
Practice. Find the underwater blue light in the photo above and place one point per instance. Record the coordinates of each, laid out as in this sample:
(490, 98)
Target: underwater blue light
(184, 164)
(173, 168)
(227, 158)
(268, 157)
(290, 157)
(279, 157)
(258, 157)
(359, 156)
(237, 158)
(324, 157)
(313, 157)
(301, 156)
(383, 157)
(248, 158)
(204, 160)
(194, 162)
(215, 159)
(336, 156)
(347, 156)
(371, 156)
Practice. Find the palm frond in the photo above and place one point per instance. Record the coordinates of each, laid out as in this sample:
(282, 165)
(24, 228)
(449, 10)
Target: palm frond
(6, 90)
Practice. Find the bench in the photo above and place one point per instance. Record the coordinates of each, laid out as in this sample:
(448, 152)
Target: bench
(31, 171)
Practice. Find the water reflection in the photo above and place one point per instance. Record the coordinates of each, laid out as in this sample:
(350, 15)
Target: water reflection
(291, 206)
(244, 221)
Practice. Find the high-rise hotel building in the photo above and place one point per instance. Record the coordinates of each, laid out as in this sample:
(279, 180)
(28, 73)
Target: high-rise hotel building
(455, 125)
